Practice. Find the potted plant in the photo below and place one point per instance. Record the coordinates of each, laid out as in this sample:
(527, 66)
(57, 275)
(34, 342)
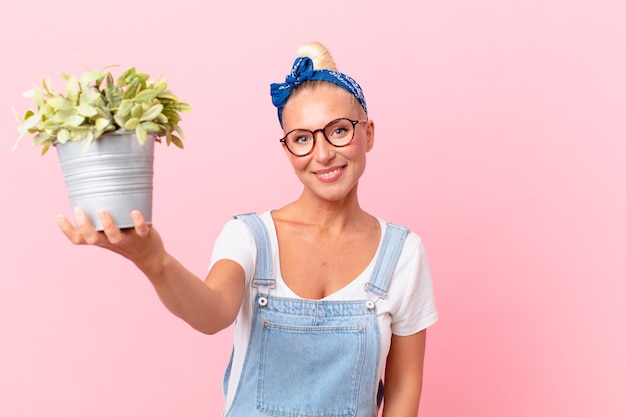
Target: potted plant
(104, 130)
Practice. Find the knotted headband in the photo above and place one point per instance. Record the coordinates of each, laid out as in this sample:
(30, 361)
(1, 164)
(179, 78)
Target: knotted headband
(303, 70)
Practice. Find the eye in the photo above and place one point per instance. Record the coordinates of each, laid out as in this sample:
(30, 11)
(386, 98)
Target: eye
(302, 139)
(299, 137)
(338, 129)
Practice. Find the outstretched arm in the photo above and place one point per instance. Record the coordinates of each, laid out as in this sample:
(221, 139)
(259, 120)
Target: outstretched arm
(403, 375)
(208, 306)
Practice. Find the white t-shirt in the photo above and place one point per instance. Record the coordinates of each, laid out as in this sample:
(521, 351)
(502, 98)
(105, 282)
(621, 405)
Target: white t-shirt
(408, 307)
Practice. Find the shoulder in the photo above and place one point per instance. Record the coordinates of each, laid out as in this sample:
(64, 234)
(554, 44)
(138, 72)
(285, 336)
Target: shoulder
(410, 298)
(242, 222)
(412, 242)
(412, 262)
(237, 242)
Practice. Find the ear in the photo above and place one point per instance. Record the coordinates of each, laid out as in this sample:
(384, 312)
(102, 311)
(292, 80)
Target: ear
(369, 144)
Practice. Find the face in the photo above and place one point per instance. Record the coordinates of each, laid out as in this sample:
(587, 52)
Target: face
(328, 172)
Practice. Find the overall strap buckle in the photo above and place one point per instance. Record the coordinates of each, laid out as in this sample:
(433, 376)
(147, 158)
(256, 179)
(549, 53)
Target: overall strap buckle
(391, 248)
(263, 279)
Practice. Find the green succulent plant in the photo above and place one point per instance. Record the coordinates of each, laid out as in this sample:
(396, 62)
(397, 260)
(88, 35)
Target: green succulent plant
(97, 103)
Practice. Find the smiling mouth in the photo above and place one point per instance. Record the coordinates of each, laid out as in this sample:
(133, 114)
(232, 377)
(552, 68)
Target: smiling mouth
(328, 174)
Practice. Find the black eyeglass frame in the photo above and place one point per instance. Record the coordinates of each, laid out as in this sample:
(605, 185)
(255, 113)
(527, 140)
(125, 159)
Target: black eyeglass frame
(283, 140)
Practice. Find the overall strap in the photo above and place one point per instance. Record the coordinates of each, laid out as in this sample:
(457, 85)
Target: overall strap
(264, 266)
(391, 247)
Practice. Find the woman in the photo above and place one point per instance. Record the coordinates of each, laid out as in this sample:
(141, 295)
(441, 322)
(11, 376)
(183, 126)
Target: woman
(328, 300)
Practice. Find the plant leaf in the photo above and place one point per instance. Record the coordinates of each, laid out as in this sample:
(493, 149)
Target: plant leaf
(178, 130)
(142, 76)
(137, 110)
(146, 95)
(142, 135)
(160, 87)
(121, 121)
(91, 76)
(125, 108)
(176, 141)
(45, 148)
(102, 123)
(63, 135)
(152, 113)
(124, 77)
(131, 89)
(151, 127)
(87, 111)
(74, 121)
(167, 96)
(72, 89)
(30, 120)
(41, 138)
(78, 136)
(17, 115)
(88, 97)
(131, 124)
(29, 93)
(60, 103)
(47, 85)
(181, 107)
(60, 118)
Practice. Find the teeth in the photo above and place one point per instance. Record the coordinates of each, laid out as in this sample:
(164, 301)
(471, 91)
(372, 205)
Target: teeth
(330, 174)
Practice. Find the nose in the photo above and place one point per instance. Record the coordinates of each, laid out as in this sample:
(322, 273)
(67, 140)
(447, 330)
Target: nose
(323, 151)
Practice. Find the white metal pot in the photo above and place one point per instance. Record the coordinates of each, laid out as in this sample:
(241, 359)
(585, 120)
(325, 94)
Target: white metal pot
(114, 173)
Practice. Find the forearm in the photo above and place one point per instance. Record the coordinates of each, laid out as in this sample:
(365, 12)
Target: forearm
(403, 375)
(208, 308)
(187, 296)
(401, 401)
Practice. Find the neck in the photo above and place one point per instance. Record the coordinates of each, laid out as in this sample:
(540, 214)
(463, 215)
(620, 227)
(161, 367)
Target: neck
(327, 215)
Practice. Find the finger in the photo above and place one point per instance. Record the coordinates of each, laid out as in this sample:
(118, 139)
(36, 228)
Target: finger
(110, 228)
(141, 227)
(85, 227)
(68, 230)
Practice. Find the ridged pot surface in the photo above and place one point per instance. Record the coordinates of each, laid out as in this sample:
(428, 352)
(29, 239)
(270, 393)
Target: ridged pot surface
(114, 173)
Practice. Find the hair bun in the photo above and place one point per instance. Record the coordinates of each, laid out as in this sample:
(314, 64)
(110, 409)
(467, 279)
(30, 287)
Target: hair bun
(322, 59)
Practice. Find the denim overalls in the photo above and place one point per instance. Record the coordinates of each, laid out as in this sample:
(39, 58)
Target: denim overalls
(312, 358)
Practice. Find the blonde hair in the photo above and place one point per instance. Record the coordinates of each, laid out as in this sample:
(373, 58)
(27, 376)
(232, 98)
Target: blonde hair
(319, 54)
(322, 60)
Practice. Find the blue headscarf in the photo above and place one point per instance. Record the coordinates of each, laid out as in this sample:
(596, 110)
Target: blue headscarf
(303, 70)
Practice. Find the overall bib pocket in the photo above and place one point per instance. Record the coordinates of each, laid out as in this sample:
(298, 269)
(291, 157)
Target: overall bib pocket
(310, 370)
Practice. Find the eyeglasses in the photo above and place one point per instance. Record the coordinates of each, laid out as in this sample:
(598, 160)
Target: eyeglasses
(338, 133)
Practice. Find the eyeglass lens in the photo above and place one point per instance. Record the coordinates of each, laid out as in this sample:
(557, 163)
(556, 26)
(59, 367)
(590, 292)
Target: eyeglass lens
(338, 132)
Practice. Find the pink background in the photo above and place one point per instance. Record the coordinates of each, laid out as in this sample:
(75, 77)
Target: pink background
(500, 140)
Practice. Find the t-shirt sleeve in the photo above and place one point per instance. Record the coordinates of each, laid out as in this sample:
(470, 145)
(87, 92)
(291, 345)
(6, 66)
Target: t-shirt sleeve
(235, 243)
(415, 307)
